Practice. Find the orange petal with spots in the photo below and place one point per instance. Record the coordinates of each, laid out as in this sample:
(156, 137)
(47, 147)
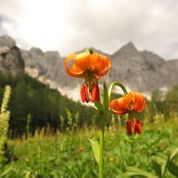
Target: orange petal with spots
(138, 101)
(117, 106)
(82, 61)
(73, 71)
(103, 65)
(85, 62)
(133, 102)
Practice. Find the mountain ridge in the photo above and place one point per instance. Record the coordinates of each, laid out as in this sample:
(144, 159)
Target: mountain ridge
(143, 71)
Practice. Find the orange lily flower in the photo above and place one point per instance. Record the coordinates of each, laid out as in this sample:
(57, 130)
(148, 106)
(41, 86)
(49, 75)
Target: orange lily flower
(90, 66)
(132, 102)
(87, 64)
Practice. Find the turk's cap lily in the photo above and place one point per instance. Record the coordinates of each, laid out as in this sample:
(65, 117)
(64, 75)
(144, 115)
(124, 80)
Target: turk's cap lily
(87, 64)
(132, 102)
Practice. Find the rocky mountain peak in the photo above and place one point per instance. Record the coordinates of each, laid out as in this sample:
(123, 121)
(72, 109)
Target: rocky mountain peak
(10, 56)
(142, 71)
(7, 41)
(36, 50)
(129, 47)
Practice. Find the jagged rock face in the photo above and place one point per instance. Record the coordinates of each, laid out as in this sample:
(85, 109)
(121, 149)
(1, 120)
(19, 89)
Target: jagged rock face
(49, 65)
(10, 57)
(169, 72)
(143, 70)
(139, 70)
(7, 41)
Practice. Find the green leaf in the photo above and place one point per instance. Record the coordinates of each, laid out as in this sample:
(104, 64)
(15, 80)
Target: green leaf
(164, 166)
(105, 96)
(132, 171)
(99, 106)
(175, 153)
(160, 164)
(95, 148)
(173, 169)
(157, 168)
(8, 169)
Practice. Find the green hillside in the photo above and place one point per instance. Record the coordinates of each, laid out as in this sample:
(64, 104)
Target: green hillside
(35, 103)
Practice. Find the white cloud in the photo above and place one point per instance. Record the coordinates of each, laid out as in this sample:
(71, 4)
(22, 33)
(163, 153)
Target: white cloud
(71, 25)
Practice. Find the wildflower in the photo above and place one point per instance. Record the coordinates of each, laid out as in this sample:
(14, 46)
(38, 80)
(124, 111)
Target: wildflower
(81, 149)
(131, 103)
(90, 66)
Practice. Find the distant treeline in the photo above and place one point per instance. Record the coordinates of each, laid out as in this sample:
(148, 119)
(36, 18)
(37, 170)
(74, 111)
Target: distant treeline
(167, 104)
(35, 105)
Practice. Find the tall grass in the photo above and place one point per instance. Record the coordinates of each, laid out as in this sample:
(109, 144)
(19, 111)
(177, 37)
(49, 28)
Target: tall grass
(48, 155)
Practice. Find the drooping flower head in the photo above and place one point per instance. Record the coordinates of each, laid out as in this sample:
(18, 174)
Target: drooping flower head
(87, 65)
(90, 66)
(131, 103)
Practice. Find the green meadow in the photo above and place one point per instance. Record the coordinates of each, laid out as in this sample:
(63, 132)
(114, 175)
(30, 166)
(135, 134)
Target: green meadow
(69, 154)
(47, 135)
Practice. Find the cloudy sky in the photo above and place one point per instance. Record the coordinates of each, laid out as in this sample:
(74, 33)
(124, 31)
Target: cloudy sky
(71, 25)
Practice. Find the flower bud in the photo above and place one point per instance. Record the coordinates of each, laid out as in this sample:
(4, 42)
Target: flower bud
(84, 93)
(95, 93)
(129, 127)
(137, 126)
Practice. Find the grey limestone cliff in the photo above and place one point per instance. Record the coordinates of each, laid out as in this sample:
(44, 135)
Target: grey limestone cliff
(10, 56)
(139, 70)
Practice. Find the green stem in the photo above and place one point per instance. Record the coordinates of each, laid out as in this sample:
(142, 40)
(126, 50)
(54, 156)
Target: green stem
(131, 115)
(101, 148)
(116, 84)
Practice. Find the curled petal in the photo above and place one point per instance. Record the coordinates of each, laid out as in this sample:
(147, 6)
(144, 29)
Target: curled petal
(101, 65)
(105, 65)
(117, 106)
(82, 61)
(74, 70)
(138, 101)
(133, 102)
(85, 63)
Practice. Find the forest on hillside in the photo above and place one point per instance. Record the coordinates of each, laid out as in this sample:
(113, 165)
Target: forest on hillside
(36, 106)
